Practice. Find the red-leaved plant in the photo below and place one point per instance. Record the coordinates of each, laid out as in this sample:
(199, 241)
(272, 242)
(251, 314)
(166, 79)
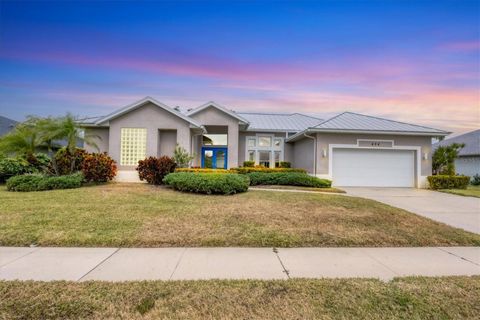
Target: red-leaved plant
(153, 170)
(98, 167)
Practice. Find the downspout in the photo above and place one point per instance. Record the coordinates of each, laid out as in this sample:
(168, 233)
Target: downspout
(314, 152)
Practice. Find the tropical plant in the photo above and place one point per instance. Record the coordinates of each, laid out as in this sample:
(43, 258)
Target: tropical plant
(67, 162)
(443, 159)
(68, 128)
(153, 170)
(24, 140)
(98, 167)
(181, 157)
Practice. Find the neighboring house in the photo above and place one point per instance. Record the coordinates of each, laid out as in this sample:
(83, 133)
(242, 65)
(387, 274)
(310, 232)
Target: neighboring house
(6, 125)
(351, 149)
(468, 161)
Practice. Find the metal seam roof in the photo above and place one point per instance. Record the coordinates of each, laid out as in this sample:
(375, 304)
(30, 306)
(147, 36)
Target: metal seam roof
(355, 121)
(470, 139)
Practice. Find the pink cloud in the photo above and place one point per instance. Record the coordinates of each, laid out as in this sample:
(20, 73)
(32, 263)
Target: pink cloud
(463, 46)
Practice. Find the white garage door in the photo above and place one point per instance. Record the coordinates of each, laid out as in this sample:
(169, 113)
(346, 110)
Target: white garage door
(373, 168)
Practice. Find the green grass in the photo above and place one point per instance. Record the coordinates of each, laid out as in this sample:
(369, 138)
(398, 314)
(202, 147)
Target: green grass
(471, 191)
(140, 215)
(402, 298)
(330, 190)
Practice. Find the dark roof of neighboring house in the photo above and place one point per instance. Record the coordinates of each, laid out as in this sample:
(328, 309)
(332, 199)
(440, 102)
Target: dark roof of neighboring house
(6, 125)
(470, 139)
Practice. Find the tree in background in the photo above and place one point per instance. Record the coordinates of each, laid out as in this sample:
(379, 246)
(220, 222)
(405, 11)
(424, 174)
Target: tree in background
(181, 157)
(443, 159)
(45, 134)
(24, 140)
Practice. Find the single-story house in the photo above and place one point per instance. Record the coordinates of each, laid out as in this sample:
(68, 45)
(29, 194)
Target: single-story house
(351, 149)
(6, 125)
(468, 161)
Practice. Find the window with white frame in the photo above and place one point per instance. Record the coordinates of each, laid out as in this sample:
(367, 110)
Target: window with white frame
(133, 145)
(264, 149)
(264, 141)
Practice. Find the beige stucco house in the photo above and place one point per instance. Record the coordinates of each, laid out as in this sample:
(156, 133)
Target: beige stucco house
(351, 149)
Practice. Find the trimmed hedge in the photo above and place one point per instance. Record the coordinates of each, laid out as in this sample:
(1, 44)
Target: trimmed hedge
(249, 164)
(244, 170)
(448, 182)
(202, 170)
(285, 164)
(287, 179)
(207, 183)
(35, 182)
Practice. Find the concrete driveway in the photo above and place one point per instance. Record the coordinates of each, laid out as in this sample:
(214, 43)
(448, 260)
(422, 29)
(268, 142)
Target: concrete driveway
(458, 211)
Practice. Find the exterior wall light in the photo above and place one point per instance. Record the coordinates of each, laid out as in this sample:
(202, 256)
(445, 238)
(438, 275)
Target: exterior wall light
(324, 153)
(425, 156)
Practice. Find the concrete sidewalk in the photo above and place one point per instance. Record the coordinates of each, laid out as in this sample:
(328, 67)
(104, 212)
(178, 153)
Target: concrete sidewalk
(114, 264)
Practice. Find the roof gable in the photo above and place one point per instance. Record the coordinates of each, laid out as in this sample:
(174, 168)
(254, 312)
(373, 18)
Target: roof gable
(218, 107)
(141, 103)
(360, 122)
(6, 125)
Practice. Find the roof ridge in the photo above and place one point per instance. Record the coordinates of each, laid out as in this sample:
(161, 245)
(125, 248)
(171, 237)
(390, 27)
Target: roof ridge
(390, 120)
(327, 120)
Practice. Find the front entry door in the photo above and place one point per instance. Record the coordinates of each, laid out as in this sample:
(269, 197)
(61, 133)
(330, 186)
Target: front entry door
(214, 158)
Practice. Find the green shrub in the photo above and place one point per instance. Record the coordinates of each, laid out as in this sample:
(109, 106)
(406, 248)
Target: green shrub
(202, 170)
(10, 167)
(37, 182)
(153, 170)
(244, 170)
(287, 179)
(284, 164)
(98, 167)
(249, 164)
(475, 180)
(208, 183)
(42, 161)
(448, 182)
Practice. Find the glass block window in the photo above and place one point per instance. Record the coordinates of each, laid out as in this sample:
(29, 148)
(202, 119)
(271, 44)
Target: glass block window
(133, 146)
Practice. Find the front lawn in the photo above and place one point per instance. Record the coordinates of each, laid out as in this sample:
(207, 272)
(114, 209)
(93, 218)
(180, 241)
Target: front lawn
(402, 298)
(141, 215)
(471, 191)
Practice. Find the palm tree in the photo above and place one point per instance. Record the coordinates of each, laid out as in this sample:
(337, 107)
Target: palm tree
(23, 140)
(49, 131)
(71, 130)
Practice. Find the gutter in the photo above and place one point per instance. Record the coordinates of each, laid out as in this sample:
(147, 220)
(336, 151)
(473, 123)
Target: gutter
(314, 152)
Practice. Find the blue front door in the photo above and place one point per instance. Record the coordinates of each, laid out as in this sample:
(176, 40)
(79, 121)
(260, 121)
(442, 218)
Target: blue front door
(214, 158)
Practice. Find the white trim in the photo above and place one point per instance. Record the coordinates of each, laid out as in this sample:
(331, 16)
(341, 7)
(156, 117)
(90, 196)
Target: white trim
(140, 103)
(384, 132)
(219, 107)
(418, 161)
(270, 149)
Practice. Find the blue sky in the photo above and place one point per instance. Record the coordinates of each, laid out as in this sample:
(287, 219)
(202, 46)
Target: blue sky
(411, 61)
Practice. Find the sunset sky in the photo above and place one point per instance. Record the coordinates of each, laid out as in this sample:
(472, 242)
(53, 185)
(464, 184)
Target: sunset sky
(410, 61)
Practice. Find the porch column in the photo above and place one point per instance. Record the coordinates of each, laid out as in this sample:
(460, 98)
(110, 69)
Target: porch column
(232, 146)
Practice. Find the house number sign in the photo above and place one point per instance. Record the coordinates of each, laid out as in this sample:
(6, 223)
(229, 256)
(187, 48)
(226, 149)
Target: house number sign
(375, 143)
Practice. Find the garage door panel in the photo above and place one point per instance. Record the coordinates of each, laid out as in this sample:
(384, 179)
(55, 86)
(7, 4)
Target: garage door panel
(373, 168)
